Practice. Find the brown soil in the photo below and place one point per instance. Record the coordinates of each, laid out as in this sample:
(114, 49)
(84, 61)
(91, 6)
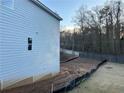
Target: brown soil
(69, 71)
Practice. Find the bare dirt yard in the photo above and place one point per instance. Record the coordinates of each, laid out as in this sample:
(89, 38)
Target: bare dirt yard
(108, 79)
(69, 71)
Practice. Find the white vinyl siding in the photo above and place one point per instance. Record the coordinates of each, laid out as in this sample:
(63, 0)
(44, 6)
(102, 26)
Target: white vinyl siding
(7, 3)
(16, 61)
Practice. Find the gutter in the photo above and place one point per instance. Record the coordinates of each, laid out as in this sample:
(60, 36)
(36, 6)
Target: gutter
(45, 8)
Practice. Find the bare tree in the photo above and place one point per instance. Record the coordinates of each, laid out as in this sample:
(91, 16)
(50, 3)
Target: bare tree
(101, 29)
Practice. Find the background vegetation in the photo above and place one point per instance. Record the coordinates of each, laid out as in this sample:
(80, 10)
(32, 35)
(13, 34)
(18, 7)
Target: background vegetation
(101, 29)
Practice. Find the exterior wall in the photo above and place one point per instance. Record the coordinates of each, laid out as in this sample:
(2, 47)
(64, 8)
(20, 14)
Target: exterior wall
(16, 25)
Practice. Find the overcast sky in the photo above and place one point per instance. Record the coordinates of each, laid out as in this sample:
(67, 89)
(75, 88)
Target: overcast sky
(66, 8)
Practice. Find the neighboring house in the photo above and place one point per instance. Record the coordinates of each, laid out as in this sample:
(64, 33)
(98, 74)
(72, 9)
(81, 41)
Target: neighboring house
(29, 42)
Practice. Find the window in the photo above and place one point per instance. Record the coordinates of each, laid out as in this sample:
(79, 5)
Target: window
(7, 3)
(29, 43)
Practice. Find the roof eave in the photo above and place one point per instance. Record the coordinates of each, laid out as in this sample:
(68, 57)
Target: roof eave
(45, 8)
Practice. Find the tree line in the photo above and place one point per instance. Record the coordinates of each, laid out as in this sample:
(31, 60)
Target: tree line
(100, 29)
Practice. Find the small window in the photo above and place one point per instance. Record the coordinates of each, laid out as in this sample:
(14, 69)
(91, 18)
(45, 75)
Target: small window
(29, 47)
(30, 40)
(29, 43)
(7, 3)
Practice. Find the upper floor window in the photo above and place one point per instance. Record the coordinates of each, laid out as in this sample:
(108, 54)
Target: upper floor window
(7, 3)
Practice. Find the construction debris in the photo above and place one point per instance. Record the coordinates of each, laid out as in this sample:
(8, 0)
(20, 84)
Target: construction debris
(70, 71)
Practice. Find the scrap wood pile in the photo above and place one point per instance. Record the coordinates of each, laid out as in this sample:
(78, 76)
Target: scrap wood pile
(69, 71)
